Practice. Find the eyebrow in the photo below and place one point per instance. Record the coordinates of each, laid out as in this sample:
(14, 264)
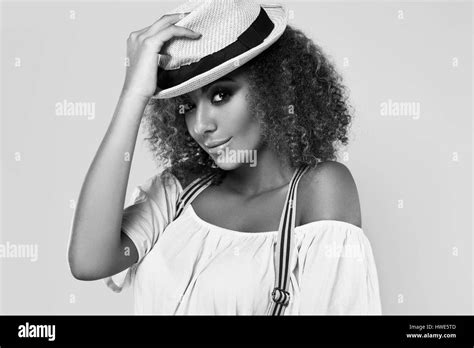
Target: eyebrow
(224, 78)
(206, 88)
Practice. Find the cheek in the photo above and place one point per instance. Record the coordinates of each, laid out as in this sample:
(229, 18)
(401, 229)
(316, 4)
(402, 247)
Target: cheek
(248, 129)
(189, 126)
(187, 122)
(242, 116)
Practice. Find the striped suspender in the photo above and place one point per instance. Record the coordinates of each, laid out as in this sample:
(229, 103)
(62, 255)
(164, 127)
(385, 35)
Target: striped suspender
(190, 192)
(284, 248)
(285, 243)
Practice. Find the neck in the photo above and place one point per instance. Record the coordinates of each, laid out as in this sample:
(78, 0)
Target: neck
(269, 174)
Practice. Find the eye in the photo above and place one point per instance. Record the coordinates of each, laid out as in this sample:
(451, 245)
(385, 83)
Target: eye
(222, 94)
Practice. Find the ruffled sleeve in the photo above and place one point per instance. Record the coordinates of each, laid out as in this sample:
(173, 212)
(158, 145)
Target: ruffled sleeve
(151, 208)
(338, 274)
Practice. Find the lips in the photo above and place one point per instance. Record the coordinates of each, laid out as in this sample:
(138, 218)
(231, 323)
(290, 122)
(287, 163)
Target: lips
(217, 148)
(213, 144)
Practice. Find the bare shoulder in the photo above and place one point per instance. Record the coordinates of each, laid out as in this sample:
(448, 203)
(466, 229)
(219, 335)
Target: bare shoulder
(329, 192)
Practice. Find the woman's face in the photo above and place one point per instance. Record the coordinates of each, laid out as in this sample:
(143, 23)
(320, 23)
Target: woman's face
(219, 113)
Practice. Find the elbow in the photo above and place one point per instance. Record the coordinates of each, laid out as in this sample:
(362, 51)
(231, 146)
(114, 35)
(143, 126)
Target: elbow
(76, 269)
(86, 264)
(81, 274)
(74, 261)
(86, 269)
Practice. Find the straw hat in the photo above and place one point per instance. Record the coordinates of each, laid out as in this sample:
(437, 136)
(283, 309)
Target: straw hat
(233, 32)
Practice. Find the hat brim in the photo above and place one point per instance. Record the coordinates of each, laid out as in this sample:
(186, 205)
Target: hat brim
(278, 15)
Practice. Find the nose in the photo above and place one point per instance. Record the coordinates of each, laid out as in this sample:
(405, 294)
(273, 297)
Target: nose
(204, 122)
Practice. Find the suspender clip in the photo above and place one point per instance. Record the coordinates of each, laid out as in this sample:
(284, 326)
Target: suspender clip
(281, 296)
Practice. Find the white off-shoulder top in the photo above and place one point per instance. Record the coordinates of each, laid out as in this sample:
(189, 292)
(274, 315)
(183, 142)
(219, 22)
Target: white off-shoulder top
(190, 266)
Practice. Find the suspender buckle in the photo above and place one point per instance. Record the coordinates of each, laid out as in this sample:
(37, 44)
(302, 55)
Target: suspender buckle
(281, 296)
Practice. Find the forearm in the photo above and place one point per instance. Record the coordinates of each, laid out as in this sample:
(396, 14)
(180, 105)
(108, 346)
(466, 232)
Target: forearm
(98, 216)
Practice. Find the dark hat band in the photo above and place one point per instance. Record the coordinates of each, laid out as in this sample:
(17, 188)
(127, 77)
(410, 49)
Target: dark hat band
(253, 36)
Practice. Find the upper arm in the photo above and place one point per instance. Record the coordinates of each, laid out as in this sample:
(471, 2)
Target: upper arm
(122, 258)
(114, 259)
(151, 210)
(126, 256)
(331, 194)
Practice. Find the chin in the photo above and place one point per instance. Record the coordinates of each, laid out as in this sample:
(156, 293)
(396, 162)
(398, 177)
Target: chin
(227, 165)
(230, 159)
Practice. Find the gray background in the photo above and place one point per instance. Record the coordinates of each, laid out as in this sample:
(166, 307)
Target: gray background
(423, 250)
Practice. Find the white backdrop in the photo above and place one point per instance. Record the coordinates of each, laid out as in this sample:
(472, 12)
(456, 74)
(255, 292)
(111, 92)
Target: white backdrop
(413, 168)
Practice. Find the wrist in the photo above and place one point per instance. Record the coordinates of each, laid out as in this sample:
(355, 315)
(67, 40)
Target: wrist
(127, 94)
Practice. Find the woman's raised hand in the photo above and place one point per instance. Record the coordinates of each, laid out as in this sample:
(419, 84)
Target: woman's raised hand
(143, 47)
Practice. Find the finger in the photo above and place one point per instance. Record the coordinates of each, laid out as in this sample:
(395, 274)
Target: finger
(143, 30)
(159, 39)
(161, 23)
(134, 34)
(165, 21)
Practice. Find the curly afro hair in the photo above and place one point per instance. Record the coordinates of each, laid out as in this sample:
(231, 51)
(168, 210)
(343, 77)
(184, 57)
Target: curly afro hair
(295, 93)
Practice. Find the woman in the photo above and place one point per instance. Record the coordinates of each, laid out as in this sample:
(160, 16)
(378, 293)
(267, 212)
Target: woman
(251, 215)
